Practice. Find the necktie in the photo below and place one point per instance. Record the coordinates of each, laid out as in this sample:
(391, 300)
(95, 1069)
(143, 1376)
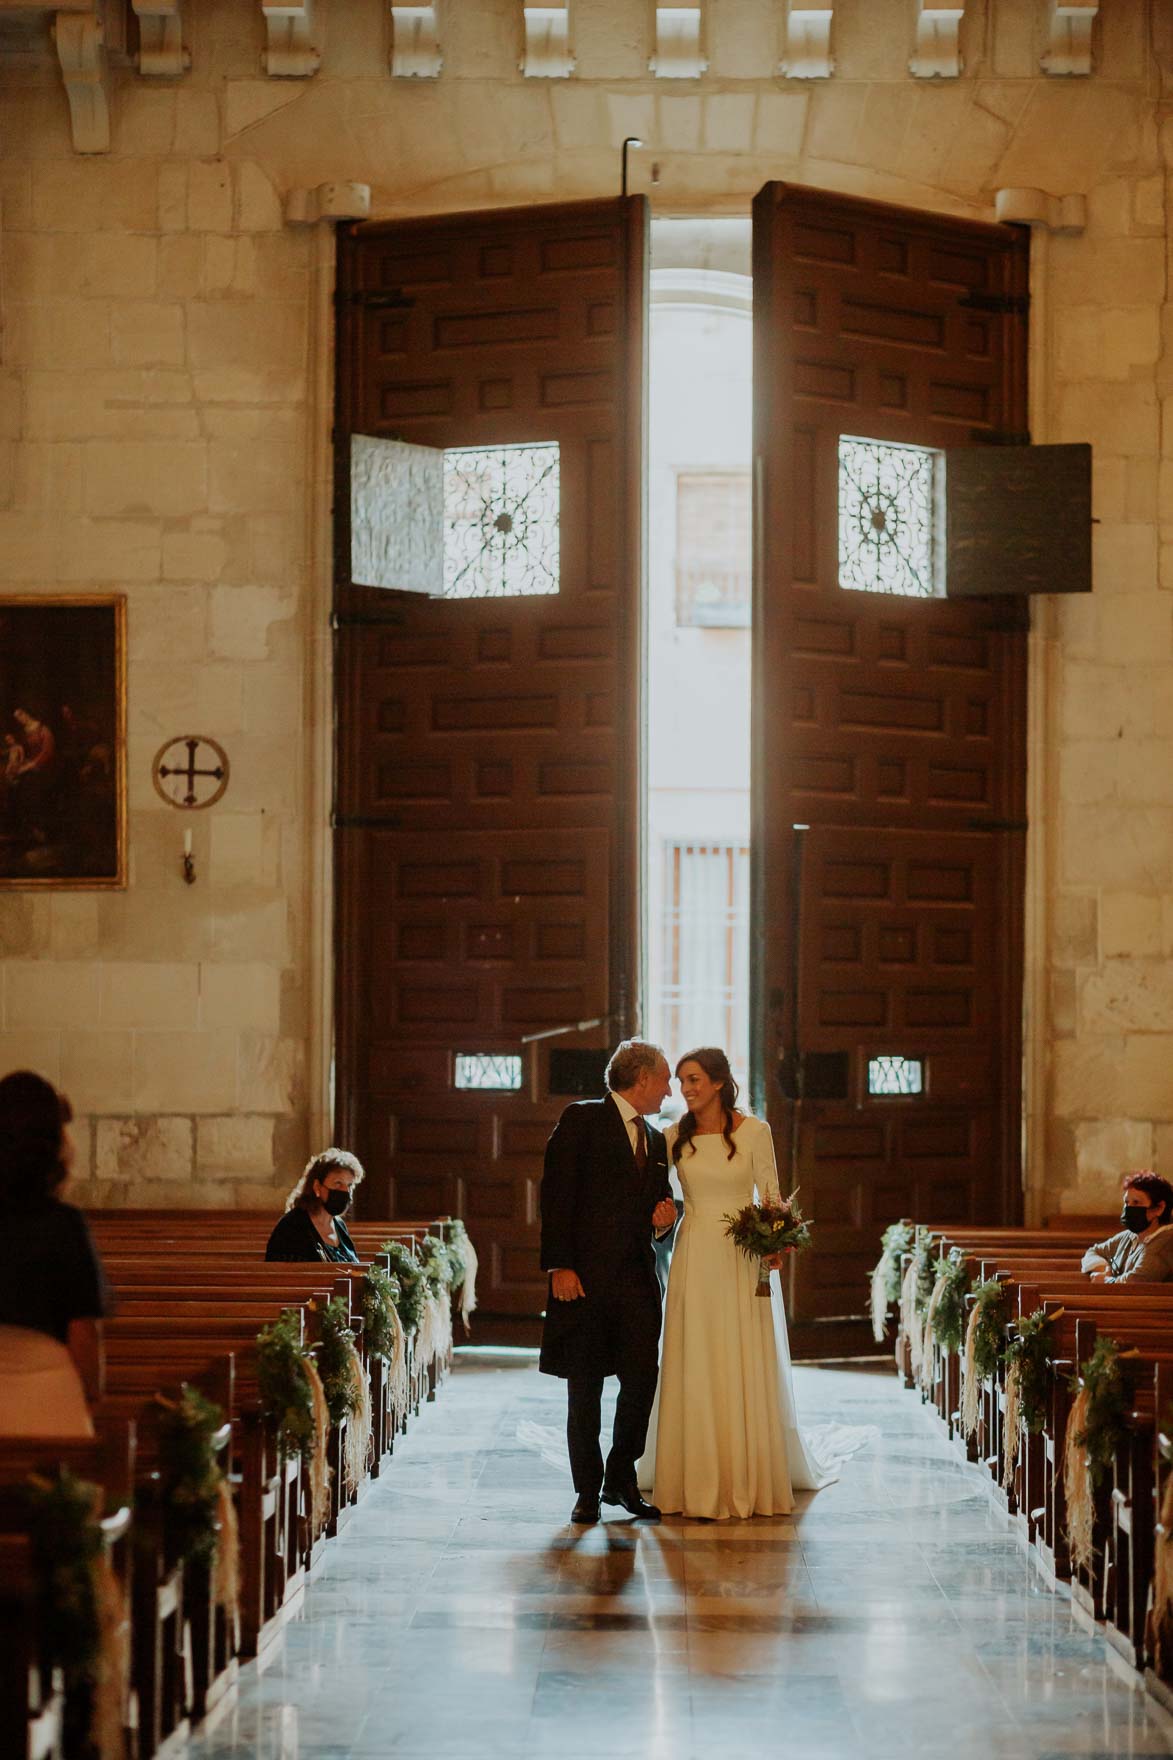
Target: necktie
(641, 1144)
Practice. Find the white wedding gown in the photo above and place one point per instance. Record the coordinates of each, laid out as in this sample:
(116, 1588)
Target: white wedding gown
(724, 1439)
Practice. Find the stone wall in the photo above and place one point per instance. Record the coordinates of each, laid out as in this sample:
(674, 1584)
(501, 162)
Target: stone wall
(161, 424)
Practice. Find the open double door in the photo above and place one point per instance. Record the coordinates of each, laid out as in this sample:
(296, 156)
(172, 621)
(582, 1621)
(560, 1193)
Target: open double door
(488, 804)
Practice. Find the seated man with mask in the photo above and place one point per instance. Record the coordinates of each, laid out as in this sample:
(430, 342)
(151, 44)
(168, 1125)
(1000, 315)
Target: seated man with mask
(1143, 1250)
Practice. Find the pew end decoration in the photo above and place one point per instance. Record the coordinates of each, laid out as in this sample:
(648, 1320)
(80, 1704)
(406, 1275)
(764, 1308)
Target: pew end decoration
(1096, 1428)
(1028, 1360)
(897, 1240)
(407, 1274)
(945, 1314)
(985, 1342)
(82, 1616)
(465, 1265)
(776, 1225)
(1162, 1609)
(199, 1514)
(439, 1270)
(294, 1401)
(916, 1289)
(347, 1390)
(383, 1333)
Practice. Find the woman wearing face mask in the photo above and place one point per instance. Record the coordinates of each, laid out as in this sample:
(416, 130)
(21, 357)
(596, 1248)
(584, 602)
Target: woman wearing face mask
(1143, 1250)
(312, 1226)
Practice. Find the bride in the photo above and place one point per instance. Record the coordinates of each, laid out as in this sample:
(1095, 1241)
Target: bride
(724, 1438)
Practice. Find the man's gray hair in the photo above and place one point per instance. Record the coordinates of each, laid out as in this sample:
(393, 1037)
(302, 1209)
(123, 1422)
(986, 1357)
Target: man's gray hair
(628, 1060)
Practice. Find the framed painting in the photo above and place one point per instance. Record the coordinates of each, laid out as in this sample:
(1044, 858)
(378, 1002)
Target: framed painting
(63, 742)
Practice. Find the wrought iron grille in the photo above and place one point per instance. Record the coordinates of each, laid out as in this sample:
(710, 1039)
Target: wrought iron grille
(895, 1075)
(501, 531)
(886, 518)
(488, 1070)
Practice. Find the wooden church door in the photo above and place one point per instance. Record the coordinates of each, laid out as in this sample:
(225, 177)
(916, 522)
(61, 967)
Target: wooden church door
(889, 734)
(488, 729)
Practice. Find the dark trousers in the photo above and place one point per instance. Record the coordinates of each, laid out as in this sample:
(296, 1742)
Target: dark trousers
(634, 1324)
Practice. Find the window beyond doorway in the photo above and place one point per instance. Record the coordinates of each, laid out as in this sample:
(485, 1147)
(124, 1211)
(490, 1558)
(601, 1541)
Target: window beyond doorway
(713, 549)
(705, 997)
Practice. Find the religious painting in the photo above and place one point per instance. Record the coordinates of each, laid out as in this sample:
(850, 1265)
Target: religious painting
(63, 742)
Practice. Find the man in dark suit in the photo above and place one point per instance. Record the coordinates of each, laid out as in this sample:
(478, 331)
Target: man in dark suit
(605, 1196)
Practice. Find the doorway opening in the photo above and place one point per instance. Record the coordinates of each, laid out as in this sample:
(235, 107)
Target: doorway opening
(696, 852)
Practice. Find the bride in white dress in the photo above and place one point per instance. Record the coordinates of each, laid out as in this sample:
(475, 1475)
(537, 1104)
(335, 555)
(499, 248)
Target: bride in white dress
(724, 1439)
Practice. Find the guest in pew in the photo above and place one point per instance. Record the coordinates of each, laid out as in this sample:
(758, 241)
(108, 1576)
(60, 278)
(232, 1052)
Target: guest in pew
(1143, 1250)
(312, 1226)
(53, 1294)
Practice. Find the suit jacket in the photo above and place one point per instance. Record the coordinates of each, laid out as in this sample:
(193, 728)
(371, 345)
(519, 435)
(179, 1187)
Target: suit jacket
(596, 1220)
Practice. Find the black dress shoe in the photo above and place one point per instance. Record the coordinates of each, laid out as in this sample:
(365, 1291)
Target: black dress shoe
(585, 1511)
(630, 1500)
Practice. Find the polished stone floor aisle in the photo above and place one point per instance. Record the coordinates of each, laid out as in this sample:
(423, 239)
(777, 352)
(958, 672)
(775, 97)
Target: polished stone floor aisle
(459, 1617)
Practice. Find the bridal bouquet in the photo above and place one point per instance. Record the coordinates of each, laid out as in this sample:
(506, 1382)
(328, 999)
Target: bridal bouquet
(761, 1230)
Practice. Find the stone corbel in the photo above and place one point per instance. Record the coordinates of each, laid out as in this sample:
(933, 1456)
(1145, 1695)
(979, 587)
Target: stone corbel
(81, 51)
(547, 42)
(678, 43)
(415, 42)
(290, 52)
(1034, 207)
(938, 51)
(1069, 37)
(328, 201)
(808, 42)
(161, 53)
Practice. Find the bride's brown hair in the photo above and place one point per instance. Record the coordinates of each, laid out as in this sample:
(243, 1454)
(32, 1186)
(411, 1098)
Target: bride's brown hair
(716, 1066)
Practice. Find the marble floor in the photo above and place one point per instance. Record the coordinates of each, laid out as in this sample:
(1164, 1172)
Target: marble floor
(458, 1617)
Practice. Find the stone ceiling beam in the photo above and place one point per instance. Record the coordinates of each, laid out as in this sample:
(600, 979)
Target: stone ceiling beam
(290, 49)
(415, 42)
(678, 42)
(547, 42)
(808, 42)
(938, 48)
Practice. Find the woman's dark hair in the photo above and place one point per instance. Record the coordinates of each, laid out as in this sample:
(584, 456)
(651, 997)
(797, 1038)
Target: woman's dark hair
(716, 1066)
(32, 1117)
(1155, 1189)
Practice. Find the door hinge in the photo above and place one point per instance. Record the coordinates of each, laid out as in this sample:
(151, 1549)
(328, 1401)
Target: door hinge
(999, 437)
(1012, 304)
(378, 298)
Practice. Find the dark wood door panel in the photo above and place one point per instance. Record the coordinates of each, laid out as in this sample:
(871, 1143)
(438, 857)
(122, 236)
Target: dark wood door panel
(488, 748)
(893, 728)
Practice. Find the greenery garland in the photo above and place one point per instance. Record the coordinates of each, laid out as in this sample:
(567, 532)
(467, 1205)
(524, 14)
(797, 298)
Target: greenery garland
(438, 1267)
(66, 1539)
(455, 1242)
(948, 1310)
(924, 1260)
(989, 1300)
(335, 1363)
(286, 1395)
(1109, 1387)
(897, 1240)
(409, 1279)
(380, 1296)
(190, 1475)
(1032, 1351)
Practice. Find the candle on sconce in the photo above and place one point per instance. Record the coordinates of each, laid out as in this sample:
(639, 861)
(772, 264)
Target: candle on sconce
(187, 842)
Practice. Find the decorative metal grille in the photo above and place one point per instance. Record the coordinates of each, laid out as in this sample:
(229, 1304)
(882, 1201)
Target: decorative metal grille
(704, 997)
(895, 1075)
(501, 531)
(886, 518)
(488, 1070)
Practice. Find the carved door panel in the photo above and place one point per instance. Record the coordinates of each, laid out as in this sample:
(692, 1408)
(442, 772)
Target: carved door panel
(891, 724)
(488, 745)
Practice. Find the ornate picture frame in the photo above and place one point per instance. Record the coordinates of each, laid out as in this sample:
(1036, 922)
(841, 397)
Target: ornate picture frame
(63, 741)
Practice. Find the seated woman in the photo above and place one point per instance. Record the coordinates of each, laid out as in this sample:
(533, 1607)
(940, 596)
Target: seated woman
(1143, 1250)
(312, 1226)
(53, 1294)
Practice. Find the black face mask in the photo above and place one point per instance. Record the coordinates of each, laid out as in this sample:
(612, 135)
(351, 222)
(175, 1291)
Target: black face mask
(1135, 1218)
(336, 1202)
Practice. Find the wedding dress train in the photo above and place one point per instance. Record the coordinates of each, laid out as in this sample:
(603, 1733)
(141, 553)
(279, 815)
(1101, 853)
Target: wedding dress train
(724, 1439)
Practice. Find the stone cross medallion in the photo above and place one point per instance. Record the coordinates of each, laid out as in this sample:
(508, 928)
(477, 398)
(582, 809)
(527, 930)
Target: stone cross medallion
(190, 771)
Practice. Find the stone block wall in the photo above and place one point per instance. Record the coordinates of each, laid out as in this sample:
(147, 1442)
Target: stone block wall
(159, 426)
